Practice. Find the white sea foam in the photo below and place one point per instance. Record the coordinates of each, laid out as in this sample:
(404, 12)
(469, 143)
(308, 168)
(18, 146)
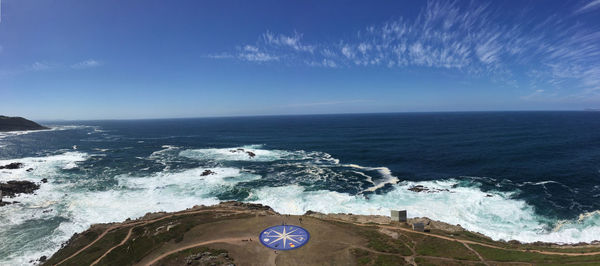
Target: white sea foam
(133, 197)
(384, 171)
(499, 216)
(237, 154)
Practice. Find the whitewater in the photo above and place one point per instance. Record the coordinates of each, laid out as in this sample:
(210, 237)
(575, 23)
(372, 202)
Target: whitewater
(100, 183)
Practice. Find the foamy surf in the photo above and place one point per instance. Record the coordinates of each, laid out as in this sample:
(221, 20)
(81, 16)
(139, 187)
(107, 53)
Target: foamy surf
(65, 206)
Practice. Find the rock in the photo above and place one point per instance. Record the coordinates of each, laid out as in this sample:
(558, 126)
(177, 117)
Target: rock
(29, 169)
(12, 166)
(44, 180)
(251, 154)
(207, 172)
(418, 188)
(12, 188)
(18, 123)
(42, 259)
(488, 195)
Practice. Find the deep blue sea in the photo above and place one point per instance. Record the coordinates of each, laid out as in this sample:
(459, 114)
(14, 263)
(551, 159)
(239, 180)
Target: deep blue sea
(529, 176)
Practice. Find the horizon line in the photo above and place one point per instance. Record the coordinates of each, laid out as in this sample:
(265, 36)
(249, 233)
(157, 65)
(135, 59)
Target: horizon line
(319, 114)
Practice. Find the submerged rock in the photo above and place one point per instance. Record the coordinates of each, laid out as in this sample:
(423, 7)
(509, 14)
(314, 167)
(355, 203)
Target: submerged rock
(12, 166)
(251, 154)
(44, 180)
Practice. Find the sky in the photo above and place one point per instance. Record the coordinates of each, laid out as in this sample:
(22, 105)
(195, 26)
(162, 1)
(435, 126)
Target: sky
(113, 59)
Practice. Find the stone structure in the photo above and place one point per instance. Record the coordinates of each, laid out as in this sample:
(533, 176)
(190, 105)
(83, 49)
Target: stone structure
(420, 227)
(399, 216)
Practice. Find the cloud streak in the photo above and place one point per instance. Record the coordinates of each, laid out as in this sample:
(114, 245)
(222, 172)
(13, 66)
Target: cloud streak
(475, 39)
(86, 64)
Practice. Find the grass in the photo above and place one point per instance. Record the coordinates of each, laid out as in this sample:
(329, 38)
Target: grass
(523, 256)
(145, 239)
(436, 247)
(364, 258)
(95, 251)
(180, 257)
(76, 243)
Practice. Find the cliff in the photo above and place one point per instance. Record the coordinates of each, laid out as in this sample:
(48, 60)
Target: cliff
(8, 123)
(227, 234)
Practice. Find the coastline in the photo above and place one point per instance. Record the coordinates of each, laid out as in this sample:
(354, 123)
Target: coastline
(230, 226)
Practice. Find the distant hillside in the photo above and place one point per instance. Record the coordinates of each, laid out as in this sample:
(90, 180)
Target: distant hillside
(18, 123)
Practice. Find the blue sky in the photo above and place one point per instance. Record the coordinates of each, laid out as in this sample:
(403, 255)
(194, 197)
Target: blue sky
(110, 59)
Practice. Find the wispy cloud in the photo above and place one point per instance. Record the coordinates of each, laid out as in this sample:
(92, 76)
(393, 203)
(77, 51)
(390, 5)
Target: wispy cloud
(475, 39)
(592, 5)
(328, 103)
(39, 66)
(86, 64)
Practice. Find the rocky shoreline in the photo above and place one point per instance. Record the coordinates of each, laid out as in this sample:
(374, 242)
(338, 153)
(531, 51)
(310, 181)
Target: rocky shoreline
(13, 188)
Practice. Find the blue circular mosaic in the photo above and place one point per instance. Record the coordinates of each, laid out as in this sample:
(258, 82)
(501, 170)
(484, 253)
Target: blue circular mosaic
(284, 237)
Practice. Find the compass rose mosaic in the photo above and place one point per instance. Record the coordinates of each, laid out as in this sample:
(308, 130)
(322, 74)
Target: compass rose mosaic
(284, 237)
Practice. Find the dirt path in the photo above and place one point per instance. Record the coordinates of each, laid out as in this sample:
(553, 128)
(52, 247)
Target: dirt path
(133, 225)
(484, 244)
(111, 249)
(476, 253)
(230, 240)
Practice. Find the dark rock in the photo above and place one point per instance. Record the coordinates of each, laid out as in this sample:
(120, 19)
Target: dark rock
(12, 188)
(29, 169)
(207, 172)
(251, 154)
(12, 166)
(514, 242)
(488, 195)
(42, 259)
(44, 180)
(18, 123)
(418, 188)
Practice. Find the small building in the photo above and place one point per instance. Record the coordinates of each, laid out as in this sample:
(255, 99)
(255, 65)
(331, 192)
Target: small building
(399, 216)
(419, 227)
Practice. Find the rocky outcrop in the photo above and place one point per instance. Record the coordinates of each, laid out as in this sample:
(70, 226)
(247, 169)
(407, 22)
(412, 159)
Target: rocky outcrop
(420, 188)
(8, 123)
(12, 188)
(207, 172)
(250, 154)
(11, 166)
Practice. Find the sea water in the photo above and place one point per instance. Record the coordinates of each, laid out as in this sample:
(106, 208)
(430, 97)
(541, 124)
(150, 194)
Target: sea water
(529, 176)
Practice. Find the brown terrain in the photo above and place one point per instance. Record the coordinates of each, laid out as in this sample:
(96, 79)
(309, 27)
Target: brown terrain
(227, 234)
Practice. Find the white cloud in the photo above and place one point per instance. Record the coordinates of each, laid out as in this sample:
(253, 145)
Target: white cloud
(39, 66)
(589, 6)
(86, 64)
(473, 38)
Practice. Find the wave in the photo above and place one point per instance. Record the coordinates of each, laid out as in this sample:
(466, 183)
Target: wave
(65, 206)
(499, 216)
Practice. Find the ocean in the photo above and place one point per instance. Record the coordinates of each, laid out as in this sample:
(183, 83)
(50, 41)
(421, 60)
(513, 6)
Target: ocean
(529, 176)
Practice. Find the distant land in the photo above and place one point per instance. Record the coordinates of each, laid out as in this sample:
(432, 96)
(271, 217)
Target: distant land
(8, 123)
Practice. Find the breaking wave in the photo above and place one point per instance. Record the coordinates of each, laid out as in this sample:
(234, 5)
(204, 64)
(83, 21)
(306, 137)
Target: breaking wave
(291, 182)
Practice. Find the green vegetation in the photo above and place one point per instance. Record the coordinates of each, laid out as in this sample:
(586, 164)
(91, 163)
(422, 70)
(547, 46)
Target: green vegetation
(524, 256)
(76, 243)
(437, 247)
(364, 257)
(180, 258)
(95, 251)
(385, 243)
(150, 237)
